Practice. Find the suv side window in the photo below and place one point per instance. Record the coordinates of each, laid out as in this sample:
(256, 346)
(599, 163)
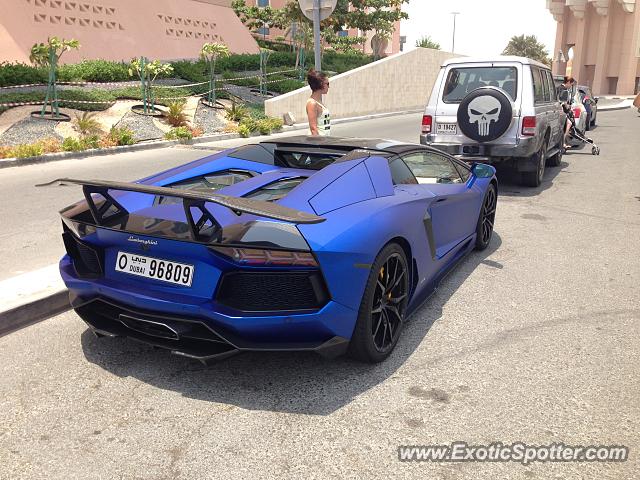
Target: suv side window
(538, 91)
(553, 94)
(430, 167)
(545, 86)
(400, 173)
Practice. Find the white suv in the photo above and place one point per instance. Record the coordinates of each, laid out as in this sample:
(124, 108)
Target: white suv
(501, 110)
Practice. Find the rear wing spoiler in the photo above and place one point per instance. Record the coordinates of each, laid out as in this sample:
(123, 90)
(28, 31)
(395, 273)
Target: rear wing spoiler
(190, 200)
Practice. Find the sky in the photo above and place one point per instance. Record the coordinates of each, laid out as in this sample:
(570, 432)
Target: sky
(483, 27)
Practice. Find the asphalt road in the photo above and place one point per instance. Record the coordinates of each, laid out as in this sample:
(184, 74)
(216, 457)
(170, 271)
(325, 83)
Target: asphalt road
(534, 340)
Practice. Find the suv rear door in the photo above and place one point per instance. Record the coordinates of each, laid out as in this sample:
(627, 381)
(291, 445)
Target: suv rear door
(545, 103)
(460, 79)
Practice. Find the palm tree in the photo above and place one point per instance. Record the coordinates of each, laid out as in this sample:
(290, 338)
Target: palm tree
(210, 52)
(427, 42)
(527, 46)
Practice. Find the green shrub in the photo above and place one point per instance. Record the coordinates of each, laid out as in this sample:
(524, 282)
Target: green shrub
(121, 136)
(94, 71)
(244, 131)
(250, 123)
(179, 133)
(90, 141)
(276, 123)
(27, 150)
(192, 71)
(21, 74)
(71, 144)
(264, 126)
(286, 85)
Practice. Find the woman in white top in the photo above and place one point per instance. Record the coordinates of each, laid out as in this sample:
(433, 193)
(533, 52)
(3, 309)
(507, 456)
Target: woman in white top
(317, 113)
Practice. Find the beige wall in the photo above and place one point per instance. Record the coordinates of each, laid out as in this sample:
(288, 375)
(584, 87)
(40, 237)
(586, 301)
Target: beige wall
(605, 36)
(121, 29)
(400, 82)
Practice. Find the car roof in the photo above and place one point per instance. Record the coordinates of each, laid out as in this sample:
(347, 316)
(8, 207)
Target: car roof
(345, 143)
(494, 59)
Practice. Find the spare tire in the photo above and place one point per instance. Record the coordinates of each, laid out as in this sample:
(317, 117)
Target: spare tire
(485, 114)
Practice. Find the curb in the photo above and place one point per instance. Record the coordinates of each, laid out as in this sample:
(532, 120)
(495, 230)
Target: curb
(52, 157)
(34, 312)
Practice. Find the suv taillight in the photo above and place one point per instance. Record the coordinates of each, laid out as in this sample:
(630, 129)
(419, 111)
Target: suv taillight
(529, 126)
(577, 112)
(427, 123)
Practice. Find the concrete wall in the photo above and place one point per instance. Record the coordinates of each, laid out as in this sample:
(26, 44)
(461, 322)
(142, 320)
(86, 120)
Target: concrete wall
(400, 82)
(121, 29)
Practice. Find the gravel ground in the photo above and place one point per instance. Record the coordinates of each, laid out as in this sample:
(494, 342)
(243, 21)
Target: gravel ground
(209, 119)
(142, 126)
(29, 130)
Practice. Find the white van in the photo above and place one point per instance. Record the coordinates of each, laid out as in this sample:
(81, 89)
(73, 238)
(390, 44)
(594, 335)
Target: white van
(501, 110)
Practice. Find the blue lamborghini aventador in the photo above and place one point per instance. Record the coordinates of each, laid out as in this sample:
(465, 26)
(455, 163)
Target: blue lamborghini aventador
(301, 243)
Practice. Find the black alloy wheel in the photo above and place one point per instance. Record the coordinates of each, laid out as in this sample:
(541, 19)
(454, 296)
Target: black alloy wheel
(383, 307)
(487, 218)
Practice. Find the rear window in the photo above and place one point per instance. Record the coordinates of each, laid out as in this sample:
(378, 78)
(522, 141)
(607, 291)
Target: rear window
(276, 190)
(461, 81)
(208, 183)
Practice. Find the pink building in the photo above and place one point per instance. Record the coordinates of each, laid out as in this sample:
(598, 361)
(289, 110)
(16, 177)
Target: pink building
(122, 29)
(271, 33)
(604, 36)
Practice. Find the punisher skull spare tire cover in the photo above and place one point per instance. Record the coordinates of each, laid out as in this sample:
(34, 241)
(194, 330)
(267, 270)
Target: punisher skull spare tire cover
(485, 114)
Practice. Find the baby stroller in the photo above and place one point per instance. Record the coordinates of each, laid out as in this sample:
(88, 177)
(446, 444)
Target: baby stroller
(576, 133)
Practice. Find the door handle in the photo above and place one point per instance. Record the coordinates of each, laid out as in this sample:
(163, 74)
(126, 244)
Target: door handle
(441, 200)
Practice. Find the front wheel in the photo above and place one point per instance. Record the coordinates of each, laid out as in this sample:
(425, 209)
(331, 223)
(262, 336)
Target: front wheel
(486, 219)
(383, 306)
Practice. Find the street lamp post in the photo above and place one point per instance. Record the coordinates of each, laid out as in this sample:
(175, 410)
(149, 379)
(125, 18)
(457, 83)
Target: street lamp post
(316, 35)
(453, 47)
(316, 11)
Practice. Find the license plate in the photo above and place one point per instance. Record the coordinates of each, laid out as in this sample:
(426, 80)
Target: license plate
(447, 129)
(155, 268)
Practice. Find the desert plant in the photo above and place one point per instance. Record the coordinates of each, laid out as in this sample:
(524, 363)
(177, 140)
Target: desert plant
(250, 122)
(121, 136)
(244, 131)
(197, 131)
(175, 115)
(236, 112)
(71, 144)
(148, 72)
(50, 145)
(27, 150)
(231, 127)
(6, 151)
(264, 126)
(182, 134)
(86, 124)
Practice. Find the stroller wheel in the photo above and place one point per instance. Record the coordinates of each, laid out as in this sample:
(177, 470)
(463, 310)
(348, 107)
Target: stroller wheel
(595, 151)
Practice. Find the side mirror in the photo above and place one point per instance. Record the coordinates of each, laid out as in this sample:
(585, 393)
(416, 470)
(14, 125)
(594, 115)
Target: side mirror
(482, 170)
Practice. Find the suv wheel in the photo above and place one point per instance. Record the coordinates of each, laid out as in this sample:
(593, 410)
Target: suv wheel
(556, 159)
(534, 179)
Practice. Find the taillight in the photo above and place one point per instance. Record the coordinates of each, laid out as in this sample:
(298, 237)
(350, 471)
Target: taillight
(577, 112)
(529, 126)
(427, 123)
(260, 257)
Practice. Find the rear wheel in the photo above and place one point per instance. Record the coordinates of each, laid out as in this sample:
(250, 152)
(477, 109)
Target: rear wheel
(556, 159)
(383, 306)
(534, 179)
(484, 229)
(588, 123)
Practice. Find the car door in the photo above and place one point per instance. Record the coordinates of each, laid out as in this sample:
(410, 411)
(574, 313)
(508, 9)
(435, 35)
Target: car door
(454, 209)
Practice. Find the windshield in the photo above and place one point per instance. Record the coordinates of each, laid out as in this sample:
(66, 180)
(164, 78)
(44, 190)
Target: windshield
(462, 81)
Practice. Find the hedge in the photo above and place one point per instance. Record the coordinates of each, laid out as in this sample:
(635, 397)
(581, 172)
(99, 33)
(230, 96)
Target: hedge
(191, 70)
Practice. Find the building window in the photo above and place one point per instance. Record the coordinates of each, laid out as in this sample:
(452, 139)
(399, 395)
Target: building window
(263, 3)
(263, 31)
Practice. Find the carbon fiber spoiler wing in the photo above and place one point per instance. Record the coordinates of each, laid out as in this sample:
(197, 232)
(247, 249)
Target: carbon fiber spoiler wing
(190, 199)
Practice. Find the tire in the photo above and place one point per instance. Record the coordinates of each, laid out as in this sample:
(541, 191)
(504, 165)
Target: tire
(593, 123)
(376, 333)
(534, 179)
(486, 218)
(556, 160)
(587, 126)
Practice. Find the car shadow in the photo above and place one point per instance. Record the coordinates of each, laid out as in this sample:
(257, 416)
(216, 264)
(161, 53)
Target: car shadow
(281, 382)
(510, 182)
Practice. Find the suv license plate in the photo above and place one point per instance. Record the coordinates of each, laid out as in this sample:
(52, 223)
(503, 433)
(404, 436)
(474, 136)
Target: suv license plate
(155, 268)
(447, 129)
